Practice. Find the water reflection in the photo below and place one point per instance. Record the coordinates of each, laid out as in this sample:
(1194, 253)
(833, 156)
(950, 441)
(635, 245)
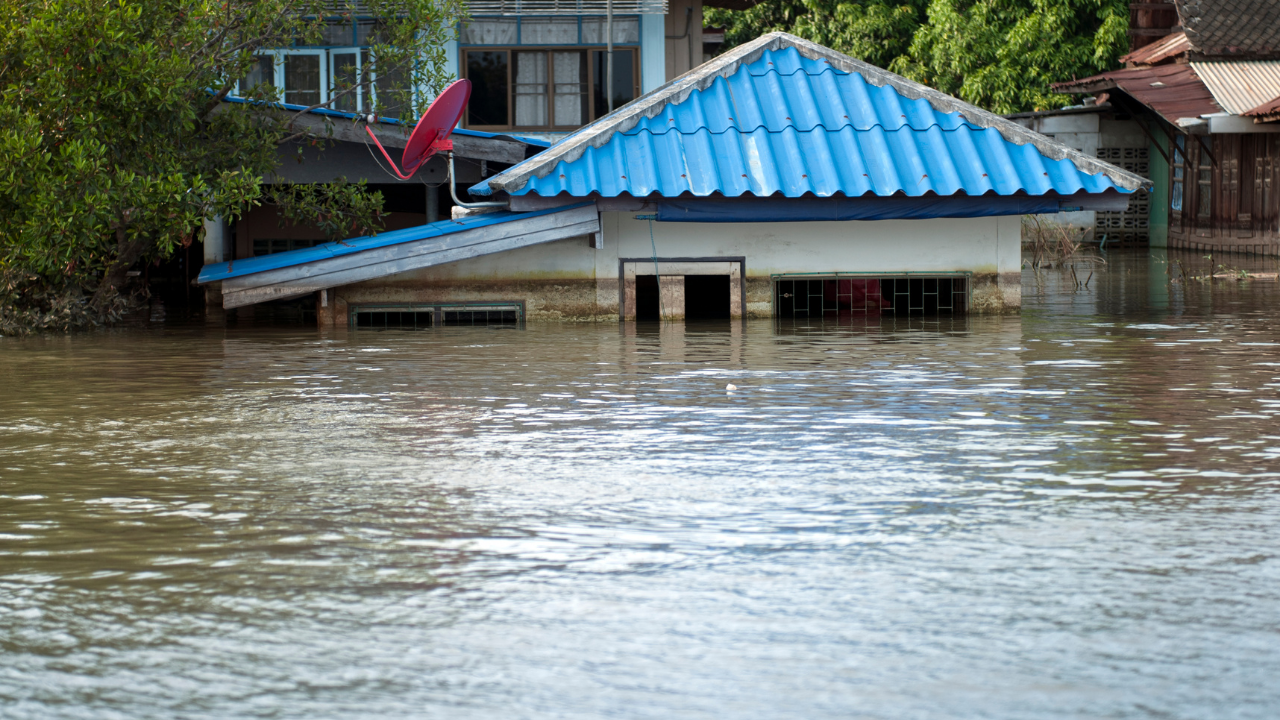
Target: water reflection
(1067, 513)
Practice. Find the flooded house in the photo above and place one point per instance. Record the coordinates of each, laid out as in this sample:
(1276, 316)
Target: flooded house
(1195, 110)
(780, 179)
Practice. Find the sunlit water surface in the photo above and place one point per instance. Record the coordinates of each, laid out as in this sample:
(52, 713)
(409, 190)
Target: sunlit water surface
(1073, 513)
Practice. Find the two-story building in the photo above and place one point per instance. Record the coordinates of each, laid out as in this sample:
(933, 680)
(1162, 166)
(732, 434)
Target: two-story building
(539, 70)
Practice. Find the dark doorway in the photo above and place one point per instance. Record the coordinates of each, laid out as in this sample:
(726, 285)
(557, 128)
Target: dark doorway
(647, 297)
(706, 297)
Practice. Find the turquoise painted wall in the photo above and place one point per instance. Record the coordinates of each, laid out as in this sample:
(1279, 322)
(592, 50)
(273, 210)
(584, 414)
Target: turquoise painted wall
(1159, 217)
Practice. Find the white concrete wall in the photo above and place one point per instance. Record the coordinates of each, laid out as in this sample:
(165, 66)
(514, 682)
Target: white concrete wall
(543, 275)
(980, 245)
(986, 245)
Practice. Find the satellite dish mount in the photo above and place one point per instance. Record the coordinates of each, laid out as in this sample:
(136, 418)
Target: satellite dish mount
(431, 134)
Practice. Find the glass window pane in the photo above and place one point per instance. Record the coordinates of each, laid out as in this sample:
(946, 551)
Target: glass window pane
(487, 72)
(345, 74)
(490, 31)
(625, 30)
(340, 34)
(531, 89)
(392, 92)
(302, 79)
(624, 90)
(570, 70)
(263, 73)
(370, 32)
(549, 31)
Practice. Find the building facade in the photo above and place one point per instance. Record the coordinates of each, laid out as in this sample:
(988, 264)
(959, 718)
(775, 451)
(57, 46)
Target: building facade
(781, 179)
(1198, 90)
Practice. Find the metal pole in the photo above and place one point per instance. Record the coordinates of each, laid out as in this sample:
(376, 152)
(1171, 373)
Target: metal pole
(453, 192)
(433, 204)
(608, 58)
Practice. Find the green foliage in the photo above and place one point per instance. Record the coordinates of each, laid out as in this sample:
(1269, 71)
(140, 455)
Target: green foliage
(875, 31)
(1003, 54)
(998, 54)
(114, 143)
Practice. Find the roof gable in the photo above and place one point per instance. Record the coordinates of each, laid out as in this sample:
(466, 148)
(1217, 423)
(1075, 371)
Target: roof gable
(781, 115)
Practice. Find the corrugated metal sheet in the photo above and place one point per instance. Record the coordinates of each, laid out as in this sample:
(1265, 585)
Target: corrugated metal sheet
(790, 125)
(1266, 112)
(1172, 91)
(443, 228)
(1240, 85)
(1158, 51)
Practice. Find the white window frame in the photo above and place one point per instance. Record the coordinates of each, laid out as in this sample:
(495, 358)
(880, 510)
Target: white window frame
(333, 72)
(324, 70)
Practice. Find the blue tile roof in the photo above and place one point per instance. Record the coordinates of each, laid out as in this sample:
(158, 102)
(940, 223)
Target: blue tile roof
(262, 263)
(790, 124)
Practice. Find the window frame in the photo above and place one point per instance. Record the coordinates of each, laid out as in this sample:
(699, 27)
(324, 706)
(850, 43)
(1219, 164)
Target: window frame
(283, 78)
(359, 52)
(511, 51)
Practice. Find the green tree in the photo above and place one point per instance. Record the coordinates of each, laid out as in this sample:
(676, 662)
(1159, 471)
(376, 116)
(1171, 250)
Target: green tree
(1003, 54)
(998, 54)
(874, 31)
(115, 141)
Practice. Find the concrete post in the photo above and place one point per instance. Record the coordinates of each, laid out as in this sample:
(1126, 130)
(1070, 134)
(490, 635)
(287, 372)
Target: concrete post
(215, 242)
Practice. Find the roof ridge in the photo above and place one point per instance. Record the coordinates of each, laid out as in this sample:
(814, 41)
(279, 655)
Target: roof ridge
(791, 126)
(598, 133)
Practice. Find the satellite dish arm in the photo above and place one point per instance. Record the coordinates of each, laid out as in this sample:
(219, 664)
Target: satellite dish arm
(453, 192)
(391, 162)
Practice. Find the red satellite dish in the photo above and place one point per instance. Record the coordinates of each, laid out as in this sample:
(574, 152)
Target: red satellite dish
(431, 134)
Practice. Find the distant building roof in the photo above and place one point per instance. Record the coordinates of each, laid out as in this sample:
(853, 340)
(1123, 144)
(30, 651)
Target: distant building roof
(1240, 85)
(1266, 112)
(781, 116)
(1172, 91)
(1157, 52)
(1232, 27)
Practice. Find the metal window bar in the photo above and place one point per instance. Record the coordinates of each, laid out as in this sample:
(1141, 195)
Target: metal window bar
(421, 317)
(835, 296)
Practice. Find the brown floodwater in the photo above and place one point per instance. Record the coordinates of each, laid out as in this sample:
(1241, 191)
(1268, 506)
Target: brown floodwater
(1074, 513)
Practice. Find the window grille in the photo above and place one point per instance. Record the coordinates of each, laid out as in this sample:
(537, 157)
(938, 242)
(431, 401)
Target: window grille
(530, 7)
(848, 295)
(567, 7)
(1129, 227)
(548, 31)
(421, 317)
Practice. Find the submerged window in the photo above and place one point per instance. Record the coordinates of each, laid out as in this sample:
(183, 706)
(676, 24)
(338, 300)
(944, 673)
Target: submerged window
(847, 296)
(421, 317)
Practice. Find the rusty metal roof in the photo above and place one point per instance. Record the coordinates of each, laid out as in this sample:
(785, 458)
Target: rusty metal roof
(1266, 112)
(1159, 51)
(1240, 85)
(1172, 91)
